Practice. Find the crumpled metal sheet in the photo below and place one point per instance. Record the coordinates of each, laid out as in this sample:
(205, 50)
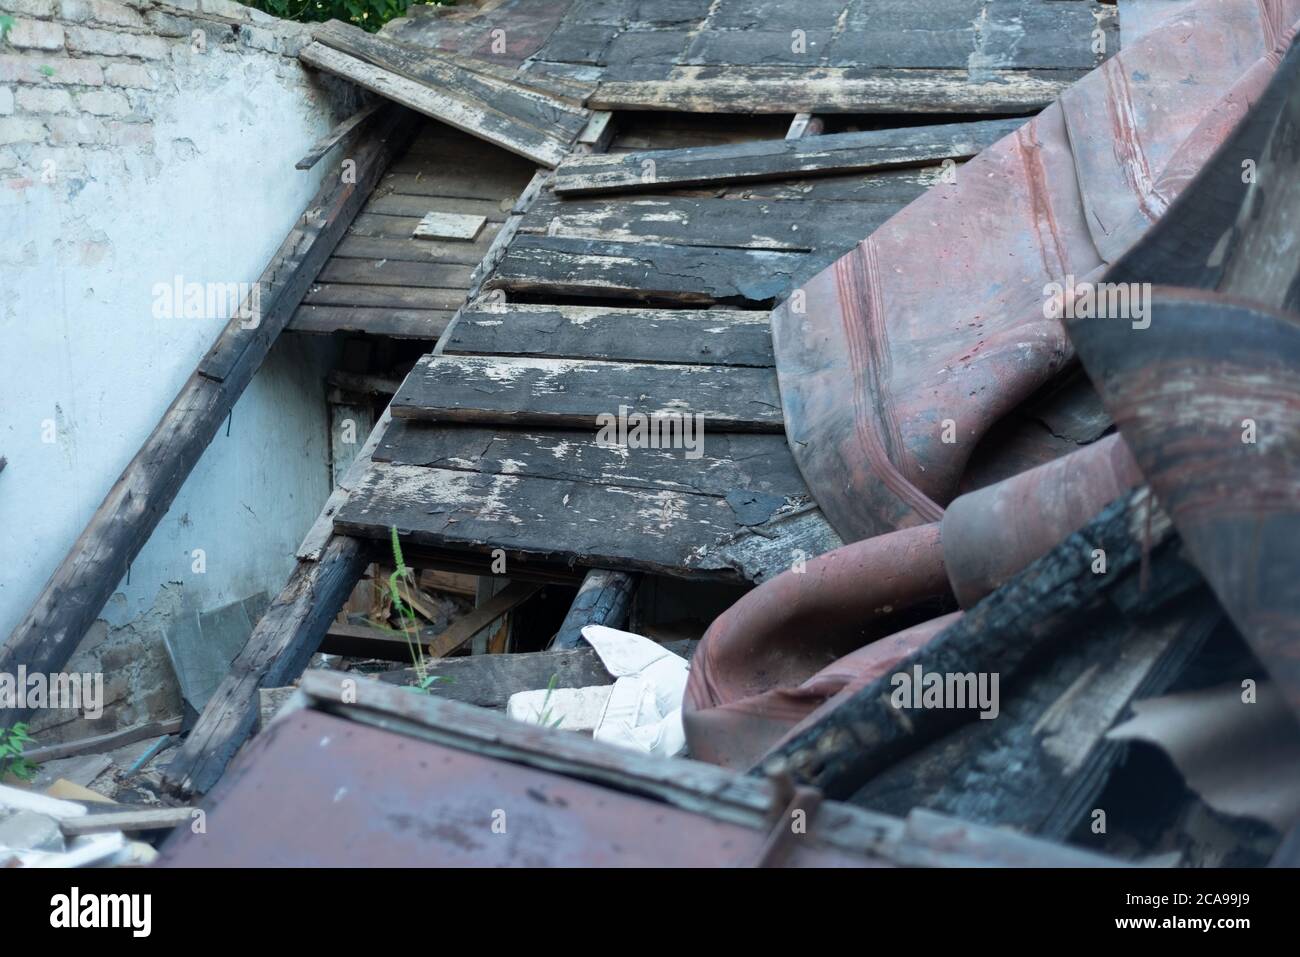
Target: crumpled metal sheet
(895, 361)
(1208, 396)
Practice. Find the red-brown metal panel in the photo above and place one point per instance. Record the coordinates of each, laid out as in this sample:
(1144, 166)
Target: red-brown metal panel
(317, 790)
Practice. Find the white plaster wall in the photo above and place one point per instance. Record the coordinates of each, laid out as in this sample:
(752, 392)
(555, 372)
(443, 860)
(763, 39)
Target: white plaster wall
(208, 196)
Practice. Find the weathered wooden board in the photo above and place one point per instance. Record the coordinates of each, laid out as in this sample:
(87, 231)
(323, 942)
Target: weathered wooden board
(436, 225)
(578, 393)
(337, 135)
(605, 526)
(777, 159)
(730, 462)
(559, 265)
(708, 336)
(472, 117)
(758, 89)
(383, 297)
(466, 79)
(417, 251)
(397, 323)
(409, 275)
(789, 225)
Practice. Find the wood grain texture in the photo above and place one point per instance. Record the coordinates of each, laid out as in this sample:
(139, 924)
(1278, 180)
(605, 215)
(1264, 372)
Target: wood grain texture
(570, 392)
(777, 159)
(730, 461)
(700, 336)
(568, 522)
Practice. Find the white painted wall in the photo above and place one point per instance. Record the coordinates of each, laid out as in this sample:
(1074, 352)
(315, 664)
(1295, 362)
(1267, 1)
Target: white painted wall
(208, 196)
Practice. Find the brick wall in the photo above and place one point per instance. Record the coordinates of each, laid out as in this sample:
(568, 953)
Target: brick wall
(80, 79)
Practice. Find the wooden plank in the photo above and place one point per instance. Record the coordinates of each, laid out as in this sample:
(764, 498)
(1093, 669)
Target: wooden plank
(383, 297)
(603, 526)
(334, 137)
(276, 653)
(793, 225)
(102, 554)
(730, 461)
(416, 250)
(598, 132)
(473, 622)
(462, 114)
(483, 181)
(605, 598)
(144, 819)
(525, 107)
(383, 272)
(571, 392)
(778, 159)
(378, 321)
(706, 336)
(685, 274)
(395, 217)
(104, 742)
(362, 641)
(449, 226)
(756, 89)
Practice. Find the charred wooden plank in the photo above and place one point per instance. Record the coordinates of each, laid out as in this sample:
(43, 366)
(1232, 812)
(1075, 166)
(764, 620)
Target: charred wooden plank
(777, 159)
(416, 250)
(604, 598)
(1004, 633)
(705, 336)
(575, 393)
(1041, 765)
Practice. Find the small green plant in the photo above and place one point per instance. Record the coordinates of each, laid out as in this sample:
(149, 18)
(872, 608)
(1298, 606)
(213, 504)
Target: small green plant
(410, 626)
(544, 715)
(6, 24)
(46, 71)
(12, 742)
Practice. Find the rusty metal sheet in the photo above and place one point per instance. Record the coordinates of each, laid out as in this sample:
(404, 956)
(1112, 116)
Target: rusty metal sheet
(1208, 395)
(896, 360)
(317, 790)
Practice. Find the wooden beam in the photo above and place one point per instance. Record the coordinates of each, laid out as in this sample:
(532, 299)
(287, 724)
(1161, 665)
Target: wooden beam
(104, 742)
(146, 819)
(276, 653)
(832, 154)
(472, 117)
(579, 393)
(604, 599)
(337, 136)
(756, 89)
(122, 524)
(465, 628)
